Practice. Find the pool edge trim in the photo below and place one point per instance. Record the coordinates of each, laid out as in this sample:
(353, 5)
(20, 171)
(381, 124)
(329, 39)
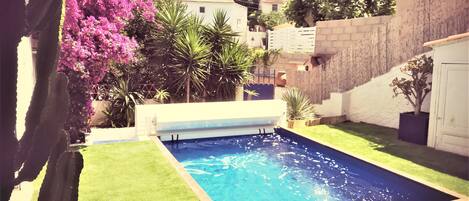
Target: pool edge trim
(195, 187)
(459, 196)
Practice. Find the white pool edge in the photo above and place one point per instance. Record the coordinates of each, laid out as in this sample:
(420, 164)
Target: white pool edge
(195, 187)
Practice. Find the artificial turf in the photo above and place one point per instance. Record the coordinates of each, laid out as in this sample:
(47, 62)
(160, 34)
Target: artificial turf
(128, 171)
(379, 144)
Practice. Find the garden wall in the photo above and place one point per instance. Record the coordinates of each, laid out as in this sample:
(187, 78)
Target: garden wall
(372, 102)
(335, 35)
(385, 47)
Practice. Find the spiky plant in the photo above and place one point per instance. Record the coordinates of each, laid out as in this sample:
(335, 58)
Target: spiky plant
(251, 93)
(219, 32)
(229, 69)
(44, 139)
(190, 60)
(161, 96)
(123, 98)
(298, 105)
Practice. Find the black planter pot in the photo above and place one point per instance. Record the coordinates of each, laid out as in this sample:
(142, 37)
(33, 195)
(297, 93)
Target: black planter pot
(413, 128)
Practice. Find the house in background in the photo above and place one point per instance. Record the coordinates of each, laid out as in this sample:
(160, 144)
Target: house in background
(267, 6)
(237, 13)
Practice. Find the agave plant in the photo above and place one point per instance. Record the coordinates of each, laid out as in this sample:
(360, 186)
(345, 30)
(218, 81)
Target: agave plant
(161, 96)
(298, 105)
(251, 93)
(190, 59)
(121, 112)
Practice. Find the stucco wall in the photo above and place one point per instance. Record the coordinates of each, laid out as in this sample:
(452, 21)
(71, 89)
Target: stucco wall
(335, 35)
(266, 5)
(237, 14)
(254, 39)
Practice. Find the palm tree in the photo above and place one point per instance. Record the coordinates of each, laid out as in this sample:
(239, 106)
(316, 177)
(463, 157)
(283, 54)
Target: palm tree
(228, 64)
(219, 32)
(190, 59)
(230, 69)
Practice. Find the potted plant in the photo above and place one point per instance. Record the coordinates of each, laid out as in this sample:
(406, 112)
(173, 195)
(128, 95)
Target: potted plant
(413, 126)
(298, 107)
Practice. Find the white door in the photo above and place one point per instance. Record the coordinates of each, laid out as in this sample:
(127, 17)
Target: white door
(453, 110)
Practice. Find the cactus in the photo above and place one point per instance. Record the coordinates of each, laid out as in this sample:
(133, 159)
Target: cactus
(45, 65)
(12, 23)
(47, 133)
(44, 139)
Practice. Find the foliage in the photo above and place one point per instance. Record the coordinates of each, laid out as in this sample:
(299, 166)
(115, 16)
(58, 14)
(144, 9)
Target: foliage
(265, 57)
(161, 96)
(298, 105)
(190, 60)
(92, 40)
(229, 69)
(123, 98)
(198, 61)
(251, 93)
(306, 12)
(267, 20)
(417, 86)
(229, 61)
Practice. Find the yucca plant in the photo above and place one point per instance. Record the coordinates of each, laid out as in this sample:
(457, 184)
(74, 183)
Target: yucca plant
(229, 69)
(190, 59)
(219, 32)
(121, 112)
(161, 96)
(298, 105)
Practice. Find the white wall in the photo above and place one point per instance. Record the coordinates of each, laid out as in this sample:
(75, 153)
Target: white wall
(254, 39)
(25, 83)
(237, 14)
(266, 5)
(372, 102)
(165, 118)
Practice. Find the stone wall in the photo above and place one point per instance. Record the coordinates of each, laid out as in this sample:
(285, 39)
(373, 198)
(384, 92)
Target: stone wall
(335, 35)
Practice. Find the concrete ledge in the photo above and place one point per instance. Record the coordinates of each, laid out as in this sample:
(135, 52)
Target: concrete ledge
(199, 192)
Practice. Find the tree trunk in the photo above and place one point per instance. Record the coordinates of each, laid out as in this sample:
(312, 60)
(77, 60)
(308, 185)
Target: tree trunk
(417, 108)
(188, 90)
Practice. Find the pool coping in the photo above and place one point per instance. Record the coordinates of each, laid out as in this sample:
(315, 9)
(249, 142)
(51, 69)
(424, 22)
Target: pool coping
(460, 197)
(195, 187)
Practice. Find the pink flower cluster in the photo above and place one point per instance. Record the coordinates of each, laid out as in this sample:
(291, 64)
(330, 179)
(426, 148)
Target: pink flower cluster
(93, 39)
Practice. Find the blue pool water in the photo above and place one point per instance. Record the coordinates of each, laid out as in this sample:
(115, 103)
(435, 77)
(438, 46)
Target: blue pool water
(288, 167)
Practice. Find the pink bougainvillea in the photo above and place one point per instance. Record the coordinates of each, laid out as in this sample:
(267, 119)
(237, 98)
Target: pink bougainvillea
(92, 39)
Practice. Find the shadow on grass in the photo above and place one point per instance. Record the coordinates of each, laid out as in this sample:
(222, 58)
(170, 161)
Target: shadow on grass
(385, 140)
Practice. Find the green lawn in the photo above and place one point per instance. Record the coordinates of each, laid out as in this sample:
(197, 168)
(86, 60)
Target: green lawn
(129, 171)
(379, 144)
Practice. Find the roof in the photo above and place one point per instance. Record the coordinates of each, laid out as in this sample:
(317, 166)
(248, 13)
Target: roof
(449, 39)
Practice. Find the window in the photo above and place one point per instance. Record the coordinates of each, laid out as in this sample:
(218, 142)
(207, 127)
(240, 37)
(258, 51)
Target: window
(275, 7)
(202, 9)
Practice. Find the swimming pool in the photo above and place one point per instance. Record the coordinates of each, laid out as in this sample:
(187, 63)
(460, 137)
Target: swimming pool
(289, 167)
